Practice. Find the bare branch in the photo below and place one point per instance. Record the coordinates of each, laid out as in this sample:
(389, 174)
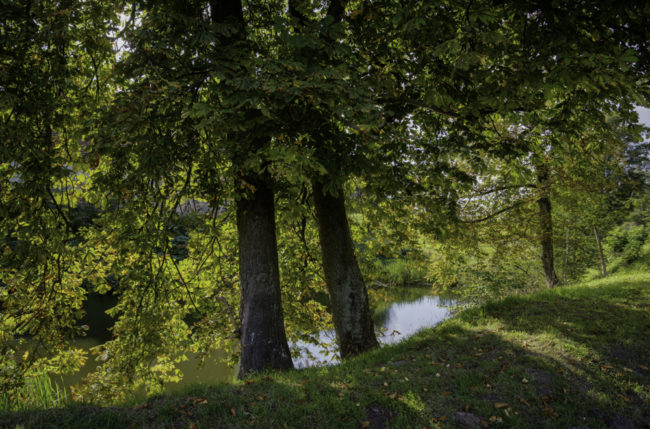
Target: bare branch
(496, 213)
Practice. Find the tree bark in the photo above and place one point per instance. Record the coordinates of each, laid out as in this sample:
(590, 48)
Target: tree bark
(263, 340)
(546, 229)
(603, 267)
(348, 296)
(566, 254)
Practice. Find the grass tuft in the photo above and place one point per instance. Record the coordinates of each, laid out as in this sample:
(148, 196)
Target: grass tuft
(38, 392)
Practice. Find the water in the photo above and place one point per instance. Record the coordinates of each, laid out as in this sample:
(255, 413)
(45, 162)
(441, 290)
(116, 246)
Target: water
(409, 312)
(398, 321)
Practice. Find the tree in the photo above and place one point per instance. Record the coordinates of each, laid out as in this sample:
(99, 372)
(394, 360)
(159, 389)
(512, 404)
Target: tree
(52, 66)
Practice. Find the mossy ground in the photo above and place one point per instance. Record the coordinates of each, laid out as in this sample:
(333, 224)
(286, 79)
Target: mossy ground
(575, 356)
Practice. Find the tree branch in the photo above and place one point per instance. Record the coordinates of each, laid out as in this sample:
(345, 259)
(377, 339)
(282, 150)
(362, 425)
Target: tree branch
(336, 9)
(496, 213)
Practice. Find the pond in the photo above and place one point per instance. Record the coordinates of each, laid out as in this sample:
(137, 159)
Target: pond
(407, 312)
(398, 315)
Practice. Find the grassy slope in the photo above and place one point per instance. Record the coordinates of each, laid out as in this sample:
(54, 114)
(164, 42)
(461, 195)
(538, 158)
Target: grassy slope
(573, 356)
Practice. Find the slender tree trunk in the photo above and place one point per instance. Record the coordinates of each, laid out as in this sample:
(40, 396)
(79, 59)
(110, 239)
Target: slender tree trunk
(263, 340)
(566, 254)
(603, 268)
(348, 296)
(546, 229)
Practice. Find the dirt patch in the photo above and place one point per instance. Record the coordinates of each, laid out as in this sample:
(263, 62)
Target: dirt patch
(378, 416)
(624, 355)
(543, 381)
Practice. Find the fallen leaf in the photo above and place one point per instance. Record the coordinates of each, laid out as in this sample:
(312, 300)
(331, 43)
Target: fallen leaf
(524, 380)
(500, 405)
(523, 401)
(200, 401)
(550, 411)
(447, 393)
(466, 407)
(643, 367)
(627, 369)
(365, 424)
(233, 412)
(192, 426)
(392, 395)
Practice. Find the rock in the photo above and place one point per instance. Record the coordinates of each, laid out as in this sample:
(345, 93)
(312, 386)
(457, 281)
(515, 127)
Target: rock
(379, 416)
(467, 420)
(618, 421)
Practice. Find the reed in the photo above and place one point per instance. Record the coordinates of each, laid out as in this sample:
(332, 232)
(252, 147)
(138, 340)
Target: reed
(38, 392)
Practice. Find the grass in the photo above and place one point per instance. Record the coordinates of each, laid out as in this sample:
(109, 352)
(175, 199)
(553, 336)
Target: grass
(569, 357)
(38, 392)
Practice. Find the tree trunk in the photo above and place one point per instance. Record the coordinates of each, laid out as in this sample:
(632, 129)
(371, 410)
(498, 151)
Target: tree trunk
(566, 254)
(348, 296)
(263, 340)
(603, 268)
(546, 229)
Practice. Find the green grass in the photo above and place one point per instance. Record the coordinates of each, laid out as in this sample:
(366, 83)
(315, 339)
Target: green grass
(38, 392)
(567, 357)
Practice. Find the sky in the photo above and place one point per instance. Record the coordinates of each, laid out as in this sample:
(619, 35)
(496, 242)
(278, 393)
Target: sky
(644, 115)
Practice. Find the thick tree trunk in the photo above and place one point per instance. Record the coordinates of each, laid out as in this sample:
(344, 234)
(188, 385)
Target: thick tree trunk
(603, 268)
(263, 340)
(348, 296)
(546, 230)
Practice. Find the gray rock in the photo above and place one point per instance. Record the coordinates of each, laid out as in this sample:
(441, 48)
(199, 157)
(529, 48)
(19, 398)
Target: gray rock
(467, 420)
(618, 421)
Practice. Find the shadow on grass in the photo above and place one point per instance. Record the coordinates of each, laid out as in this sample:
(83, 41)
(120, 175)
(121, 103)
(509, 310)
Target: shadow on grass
(612, 320)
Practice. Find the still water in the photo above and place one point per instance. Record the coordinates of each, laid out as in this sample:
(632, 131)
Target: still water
(405, 315)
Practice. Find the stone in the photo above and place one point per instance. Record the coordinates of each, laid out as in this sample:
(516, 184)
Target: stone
(467, 420)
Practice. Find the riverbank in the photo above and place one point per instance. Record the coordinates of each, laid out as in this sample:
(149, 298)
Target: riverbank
(569, 357)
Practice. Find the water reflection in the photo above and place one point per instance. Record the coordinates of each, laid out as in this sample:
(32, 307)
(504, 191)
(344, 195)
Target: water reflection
(395, 323)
